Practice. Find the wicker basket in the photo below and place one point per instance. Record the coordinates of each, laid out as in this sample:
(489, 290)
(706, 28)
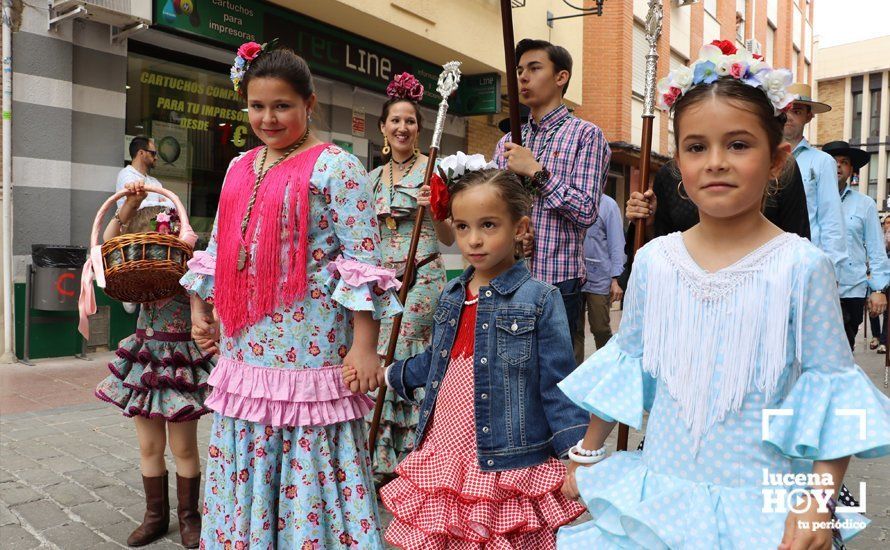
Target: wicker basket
(143, 267)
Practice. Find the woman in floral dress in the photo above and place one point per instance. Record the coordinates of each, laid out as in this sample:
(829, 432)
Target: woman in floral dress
(399, 190)
(293, 274)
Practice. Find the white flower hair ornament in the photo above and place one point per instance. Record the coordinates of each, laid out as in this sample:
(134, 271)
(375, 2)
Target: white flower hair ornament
(721, 59)
(451, 169)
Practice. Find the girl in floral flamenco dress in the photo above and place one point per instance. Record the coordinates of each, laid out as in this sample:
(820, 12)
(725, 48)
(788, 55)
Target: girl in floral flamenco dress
(292, 273)
(485, 472)
(732, 339)
(159, 378)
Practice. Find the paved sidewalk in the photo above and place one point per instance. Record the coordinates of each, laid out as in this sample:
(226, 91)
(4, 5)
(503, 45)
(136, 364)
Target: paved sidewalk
(69, 464)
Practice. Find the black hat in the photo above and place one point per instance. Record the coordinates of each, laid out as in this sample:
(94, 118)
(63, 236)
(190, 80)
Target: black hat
(524, 111)
(858, 157)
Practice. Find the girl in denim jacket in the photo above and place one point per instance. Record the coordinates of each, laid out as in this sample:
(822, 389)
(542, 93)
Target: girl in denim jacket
(484, 471)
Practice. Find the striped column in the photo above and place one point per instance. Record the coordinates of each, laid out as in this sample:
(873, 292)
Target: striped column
(69, 106)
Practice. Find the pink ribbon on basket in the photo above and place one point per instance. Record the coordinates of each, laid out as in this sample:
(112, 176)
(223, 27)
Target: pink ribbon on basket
(94, 269)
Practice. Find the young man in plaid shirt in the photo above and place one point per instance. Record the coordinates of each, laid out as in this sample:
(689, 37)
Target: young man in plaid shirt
(567, 159)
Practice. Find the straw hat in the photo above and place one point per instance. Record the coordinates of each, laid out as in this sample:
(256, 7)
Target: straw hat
(805, 96)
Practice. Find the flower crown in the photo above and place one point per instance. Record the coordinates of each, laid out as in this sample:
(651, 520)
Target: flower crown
(721, 59)
(247, 53)
(405, 86)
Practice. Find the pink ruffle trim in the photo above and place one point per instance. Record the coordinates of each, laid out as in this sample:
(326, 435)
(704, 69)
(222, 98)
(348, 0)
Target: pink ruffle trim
(202, 263)
(356, 273)
(284, 397)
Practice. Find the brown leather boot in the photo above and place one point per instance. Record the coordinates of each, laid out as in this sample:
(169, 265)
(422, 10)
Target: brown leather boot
(187, 489)
(157, 512)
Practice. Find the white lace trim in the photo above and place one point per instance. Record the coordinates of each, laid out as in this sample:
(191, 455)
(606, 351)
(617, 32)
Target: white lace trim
(712, 337)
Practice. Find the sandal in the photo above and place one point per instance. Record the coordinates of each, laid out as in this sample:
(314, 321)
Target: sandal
(873, 344)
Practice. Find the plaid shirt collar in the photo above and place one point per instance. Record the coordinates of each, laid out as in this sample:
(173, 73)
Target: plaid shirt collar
(549, 119)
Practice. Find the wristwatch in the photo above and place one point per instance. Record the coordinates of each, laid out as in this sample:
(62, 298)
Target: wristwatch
(540, 177)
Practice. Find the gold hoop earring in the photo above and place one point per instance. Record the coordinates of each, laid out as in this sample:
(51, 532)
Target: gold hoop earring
(680, 192)
(386, 148)
(416, 152)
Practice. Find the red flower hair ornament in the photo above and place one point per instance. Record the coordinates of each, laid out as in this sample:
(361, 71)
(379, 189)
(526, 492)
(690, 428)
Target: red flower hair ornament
(440, 199)
(405, 86)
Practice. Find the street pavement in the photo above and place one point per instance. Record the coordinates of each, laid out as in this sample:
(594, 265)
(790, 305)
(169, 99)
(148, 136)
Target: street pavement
(69, 464)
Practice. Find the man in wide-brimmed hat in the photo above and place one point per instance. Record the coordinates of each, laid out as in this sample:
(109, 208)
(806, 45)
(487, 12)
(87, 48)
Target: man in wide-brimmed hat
(819, 173)
(865, 243)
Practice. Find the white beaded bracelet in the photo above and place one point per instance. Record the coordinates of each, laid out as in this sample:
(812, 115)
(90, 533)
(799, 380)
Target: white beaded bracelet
(583, 456)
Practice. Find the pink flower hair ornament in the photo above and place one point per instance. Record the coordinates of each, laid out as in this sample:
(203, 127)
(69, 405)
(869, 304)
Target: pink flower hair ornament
(721, 59)
(247, 54)
(405, 86)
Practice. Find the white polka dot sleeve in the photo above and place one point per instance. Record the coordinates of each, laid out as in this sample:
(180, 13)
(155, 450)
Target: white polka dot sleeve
(835, 409)
(611, 383)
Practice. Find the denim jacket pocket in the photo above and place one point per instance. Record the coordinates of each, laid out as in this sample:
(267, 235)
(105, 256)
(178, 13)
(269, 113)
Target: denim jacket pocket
(440, 319)
(514, 336)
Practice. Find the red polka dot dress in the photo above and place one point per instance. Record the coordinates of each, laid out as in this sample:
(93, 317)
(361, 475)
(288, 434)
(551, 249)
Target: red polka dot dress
(443, 499)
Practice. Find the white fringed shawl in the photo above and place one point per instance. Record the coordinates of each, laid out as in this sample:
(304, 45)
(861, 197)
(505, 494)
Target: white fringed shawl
(737, 317)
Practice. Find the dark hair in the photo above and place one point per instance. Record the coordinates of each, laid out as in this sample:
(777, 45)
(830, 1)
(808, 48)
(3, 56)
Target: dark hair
(138, 143)
(755, 101)
(384, 113)
(559, 56)
(507, 183)
(280, 63)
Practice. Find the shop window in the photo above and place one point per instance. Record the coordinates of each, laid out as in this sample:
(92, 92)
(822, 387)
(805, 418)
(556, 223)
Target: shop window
(875, 85)
(857, 116)
(197, 121)
(873, 176)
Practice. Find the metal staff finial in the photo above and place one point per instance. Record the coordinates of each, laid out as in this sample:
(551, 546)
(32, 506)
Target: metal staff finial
(653, 32)
(449, 78)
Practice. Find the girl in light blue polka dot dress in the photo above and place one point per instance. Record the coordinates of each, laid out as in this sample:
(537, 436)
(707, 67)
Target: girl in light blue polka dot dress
(732, 339)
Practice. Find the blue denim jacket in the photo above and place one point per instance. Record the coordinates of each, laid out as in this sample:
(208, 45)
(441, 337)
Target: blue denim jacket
(522, 350)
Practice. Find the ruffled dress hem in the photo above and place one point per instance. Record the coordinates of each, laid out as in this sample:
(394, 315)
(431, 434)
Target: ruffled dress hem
(156, 379)
(444, 500)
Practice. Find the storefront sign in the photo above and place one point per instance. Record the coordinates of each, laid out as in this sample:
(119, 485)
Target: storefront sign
(330, 51)
(230, 21)
(358, 123)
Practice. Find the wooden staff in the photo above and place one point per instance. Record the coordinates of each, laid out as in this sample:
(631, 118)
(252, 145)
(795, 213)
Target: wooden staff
(447, 85)
(510, 66)
(653, 31)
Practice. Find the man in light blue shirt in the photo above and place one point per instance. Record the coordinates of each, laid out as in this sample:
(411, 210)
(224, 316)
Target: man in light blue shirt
(865, 243)
(819, 172)
(604, 260)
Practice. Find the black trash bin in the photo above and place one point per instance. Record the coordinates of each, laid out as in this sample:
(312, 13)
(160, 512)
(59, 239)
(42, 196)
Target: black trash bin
(57, 271)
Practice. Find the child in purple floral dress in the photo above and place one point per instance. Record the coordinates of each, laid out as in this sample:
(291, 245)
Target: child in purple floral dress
(159, 378)
(293, 274)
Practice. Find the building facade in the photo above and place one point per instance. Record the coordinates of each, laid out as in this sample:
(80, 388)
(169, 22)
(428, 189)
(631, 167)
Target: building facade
(81, 91)
(855, 80)
(613, 73)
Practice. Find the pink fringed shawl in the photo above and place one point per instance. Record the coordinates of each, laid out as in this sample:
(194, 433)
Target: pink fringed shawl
(237, 306)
